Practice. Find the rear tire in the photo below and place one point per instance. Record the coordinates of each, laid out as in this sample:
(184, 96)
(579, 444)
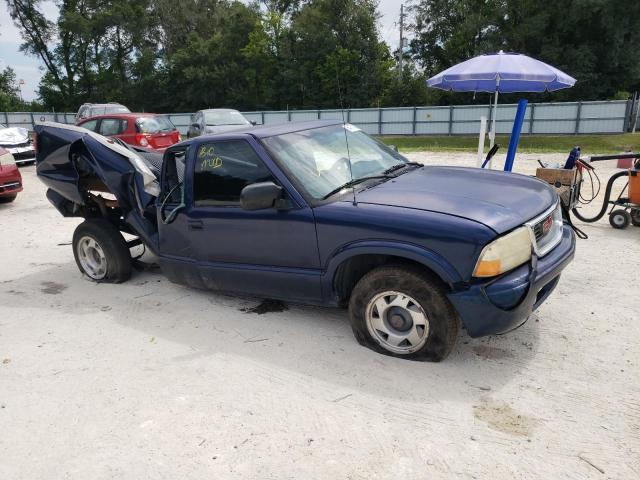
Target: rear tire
(8, 199)
(619, 219)
(635, 217)
(403, 312)
(101, 252)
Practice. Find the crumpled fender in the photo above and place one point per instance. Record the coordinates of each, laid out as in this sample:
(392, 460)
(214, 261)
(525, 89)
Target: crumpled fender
(123, 172)
(116, 166)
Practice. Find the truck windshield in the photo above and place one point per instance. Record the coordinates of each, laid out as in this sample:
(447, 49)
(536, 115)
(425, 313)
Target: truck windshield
(322, 159)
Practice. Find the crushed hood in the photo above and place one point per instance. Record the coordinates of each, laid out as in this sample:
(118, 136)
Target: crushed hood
(149, 180)
(499, 200)
(13, 135)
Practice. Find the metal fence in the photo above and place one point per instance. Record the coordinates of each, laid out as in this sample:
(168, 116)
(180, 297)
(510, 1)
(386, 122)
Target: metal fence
(541, 118)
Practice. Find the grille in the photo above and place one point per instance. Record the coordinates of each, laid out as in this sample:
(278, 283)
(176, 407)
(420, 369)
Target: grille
(547, 230)
(24, 155)
(538, 228)
(16, 145)
(9, 186)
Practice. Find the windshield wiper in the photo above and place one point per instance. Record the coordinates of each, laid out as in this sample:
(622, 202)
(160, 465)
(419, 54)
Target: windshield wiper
(398, 166)
(353, 183)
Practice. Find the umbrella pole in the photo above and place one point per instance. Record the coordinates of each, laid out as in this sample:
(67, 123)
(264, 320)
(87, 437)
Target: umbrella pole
(492, 136)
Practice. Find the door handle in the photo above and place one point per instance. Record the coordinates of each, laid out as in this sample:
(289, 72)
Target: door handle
(195, 224)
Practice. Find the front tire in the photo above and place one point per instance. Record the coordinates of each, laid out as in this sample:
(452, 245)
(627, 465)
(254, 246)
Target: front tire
(403, 312)
(8, 199)
(101, 252)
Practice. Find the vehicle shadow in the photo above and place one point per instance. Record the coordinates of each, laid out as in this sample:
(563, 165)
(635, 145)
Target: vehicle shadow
(291, 345)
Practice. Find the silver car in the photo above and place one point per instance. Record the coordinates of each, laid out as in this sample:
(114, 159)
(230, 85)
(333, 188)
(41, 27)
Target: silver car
(216, 120)
(18, 142)
(88, 110)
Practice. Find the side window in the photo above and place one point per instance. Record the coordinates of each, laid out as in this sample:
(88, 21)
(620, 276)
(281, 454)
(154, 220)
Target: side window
(110, 126)
(223, 169)
(173, 176)
(90, 125)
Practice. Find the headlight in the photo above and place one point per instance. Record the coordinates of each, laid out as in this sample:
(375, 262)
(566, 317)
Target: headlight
(504, 254)
(6, 158)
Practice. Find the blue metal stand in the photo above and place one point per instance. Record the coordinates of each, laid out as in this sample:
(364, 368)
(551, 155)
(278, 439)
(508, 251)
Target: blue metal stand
(515, 135)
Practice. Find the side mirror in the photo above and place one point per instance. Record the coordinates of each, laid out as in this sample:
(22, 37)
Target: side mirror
(260, 196)
(253, 122)
(393, 147)
(196, 126)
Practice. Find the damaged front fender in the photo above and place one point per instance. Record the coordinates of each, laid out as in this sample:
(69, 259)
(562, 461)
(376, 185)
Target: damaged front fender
(80, 166)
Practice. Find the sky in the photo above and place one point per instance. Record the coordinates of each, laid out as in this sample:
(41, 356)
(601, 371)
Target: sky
(29, 68)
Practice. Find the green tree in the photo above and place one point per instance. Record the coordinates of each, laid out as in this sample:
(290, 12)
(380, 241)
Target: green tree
(595, 41)
(208, 68)
(337, 55)
(9, 91)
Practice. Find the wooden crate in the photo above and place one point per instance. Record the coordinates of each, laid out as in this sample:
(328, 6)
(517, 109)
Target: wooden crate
(567, 183)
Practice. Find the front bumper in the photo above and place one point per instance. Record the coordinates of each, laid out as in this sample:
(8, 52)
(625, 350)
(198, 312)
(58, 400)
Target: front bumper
(10, 180)
(21, 153)
(500, 305)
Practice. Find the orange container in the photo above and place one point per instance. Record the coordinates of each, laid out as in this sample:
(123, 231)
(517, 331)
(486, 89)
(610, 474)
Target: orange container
(634, 186)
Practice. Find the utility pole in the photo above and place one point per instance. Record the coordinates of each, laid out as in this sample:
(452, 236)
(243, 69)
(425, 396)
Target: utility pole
(20, 84)
(401, 49)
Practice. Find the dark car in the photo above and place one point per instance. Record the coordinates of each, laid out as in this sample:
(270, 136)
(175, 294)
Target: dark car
(320, 213)
(216, 120)
(140, 129)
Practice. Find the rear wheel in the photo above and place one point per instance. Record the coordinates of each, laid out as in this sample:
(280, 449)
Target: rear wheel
(101, 252)
(635, 217)
(8, 199)
(619, 219)
(401, 311)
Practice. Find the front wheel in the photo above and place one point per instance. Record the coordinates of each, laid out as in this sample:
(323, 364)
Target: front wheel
(101, 252)
(403, 312)
(8, 199)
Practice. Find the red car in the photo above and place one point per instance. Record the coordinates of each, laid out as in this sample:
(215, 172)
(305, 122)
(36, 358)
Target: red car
(10, 178)
(141, 129)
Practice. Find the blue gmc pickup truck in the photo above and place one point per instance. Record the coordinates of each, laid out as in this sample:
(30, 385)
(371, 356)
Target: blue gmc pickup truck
(318, 213)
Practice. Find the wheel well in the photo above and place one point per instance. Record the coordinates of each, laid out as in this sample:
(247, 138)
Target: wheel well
(349, 272)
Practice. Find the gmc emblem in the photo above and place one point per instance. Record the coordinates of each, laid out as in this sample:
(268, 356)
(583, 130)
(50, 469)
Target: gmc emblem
(546, 226)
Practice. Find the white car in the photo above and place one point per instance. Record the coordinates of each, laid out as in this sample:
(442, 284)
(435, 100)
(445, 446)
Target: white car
(19, 143)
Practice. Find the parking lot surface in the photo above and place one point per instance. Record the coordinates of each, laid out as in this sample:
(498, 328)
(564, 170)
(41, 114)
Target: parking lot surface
(151, 380)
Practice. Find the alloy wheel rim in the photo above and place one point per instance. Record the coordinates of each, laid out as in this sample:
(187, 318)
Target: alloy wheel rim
(92, 258)
(397, 322)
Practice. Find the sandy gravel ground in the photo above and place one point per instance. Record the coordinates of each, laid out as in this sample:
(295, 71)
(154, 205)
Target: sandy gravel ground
(150, 380)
